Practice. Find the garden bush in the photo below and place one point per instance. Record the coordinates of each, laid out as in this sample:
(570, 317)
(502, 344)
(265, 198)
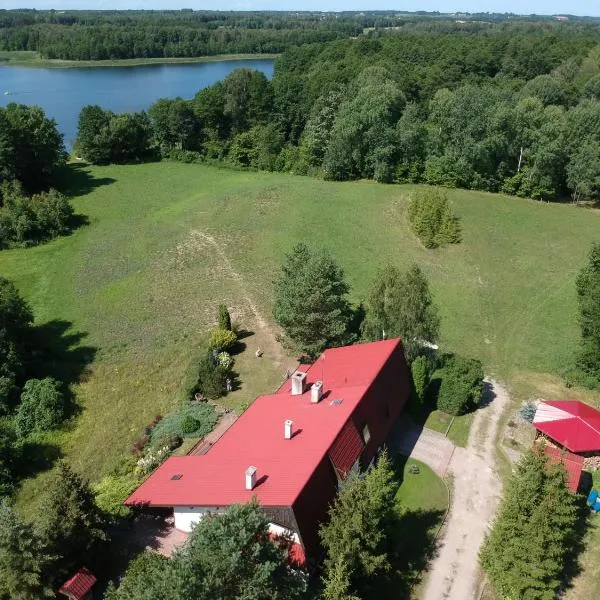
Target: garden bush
(42, 406)
(225, 361)
(171, 440)
(112, 490)
(432, 220)
(211, 378)
(224, 318)
(420, 377)
(203, 415)
(152, 459)
(461, 385)
(222, 339)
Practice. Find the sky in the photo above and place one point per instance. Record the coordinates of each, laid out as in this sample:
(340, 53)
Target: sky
(541, 7)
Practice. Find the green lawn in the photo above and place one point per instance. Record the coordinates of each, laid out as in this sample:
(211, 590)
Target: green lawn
(420, 505)
(457, 429)
(166, 243)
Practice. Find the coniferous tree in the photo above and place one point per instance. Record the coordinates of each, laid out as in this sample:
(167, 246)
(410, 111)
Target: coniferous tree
(24, 558)
(588, 295)
(355, 538)
(232, 556)
(533, 534)
(71, 522)
(310, 301)
(400, 305)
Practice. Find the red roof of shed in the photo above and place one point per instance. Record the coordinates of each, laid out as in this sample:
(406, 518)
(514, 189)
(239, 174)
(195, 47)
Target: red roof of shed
(79, 585)
(571, 423)
(573, 465)
(256, 438)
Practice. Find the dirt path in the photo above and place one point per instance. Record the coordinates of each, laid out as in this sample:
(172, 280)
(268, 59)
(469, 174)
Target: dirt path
(265, 334)
(476, 492)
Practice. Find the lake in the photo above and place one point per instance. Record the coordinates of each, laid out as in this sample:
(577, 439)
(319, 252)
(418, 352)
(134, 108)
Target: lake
(63, 92)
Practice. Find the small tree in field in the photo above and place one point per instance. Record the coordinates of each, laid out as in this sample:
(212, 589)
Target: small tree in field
(432, 220)
(310, 300)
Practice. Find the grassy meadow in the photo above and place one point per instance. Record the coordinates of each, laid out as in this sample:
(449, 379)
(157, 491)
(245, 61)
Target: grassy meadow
(132, 293)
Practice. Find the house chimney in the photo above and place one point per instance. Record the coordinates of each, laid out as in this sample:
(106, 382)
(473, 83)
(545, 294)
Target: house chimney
(316, 391)
(298, 383)
(288, 429)
(250, 478)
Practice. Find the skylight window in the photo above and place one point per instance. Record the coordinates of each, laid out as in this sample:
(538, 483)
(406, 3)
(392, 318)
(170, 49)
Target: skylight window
(176, 477)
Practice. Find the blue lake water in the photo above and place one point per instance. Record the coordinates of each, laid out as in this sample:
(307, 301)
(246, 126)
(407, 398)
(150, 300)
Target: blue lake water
(63, 92)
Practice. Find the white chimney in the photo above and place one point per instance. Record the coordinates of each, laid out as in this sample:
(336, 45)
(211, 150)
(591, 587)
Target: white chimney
(316, 391)
(298, 383)
(288, 429)
(250, 478)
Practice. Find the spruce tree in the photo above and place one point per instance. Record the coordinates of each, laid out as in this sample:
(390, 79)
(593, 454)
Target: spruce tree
(224, 318)
(356, 536)
(588, 295)
(71, 522)
(533, 533)
(310, 301)
(24, 558)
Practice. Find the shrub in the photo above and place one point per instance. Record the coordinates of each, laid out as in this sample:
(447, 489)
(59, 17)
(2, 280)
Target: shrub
(189, 425)
(172, 425)
(112, 490)
(461, 385)
(171, 440)
(211, 379)
(432, 220)
(222, 339)
(151, 460)
(527, 411)
(420, 376)
(138, 446)
(224, 318)
(225, 361)
(42, 406)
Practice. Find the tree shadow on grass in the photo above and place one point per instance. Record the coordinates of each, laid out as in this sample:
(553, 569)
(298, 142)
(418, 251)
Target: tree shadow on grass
(35, 457)
(76, 180)
(572, 566)
(412, 546)
(56, 351)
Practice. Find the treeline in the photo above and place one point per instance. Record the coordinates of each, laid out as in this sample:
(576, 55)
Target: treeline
(102, 35)
(505, 109)
(31, 152)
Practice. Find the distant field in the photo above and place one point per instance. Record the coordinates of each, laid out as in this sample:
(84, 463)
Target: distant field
(33, 59)
(167, 242)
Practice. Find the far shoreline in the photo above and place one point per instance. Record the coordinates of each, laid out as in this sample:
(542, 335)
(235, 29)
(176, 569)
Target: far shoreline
(32, 59)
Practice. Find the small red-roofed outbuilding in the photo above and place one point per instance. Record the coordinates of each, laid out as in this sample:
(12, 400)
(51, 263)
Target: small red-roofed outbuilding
(79, 587)
(572, 463)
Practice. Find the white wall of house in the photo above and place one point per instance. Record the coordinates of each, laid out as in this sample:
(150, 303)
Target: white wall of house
(188, 516)
(279, 530)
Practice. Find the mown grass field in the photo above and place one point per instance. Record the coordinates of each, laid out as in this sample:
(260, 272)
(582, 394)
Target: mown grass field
(167, 242)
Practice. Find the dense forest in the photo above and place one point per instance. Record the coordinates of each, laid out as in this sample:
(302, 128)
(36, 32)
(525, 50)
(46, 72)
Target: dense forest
(106, 35)
(509, 107)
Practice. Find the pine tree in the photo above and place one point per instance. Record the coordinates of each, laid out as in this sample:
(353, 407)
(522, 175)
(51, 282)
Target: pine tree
(310, 301)
(224, 318)
(24, 558)
(71, 522)
(400, 305)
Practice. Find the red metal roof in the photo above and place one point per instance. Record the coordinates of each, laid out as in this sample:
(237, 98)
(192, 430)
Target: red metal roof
(571, 423)
(283, 466)
(79, 585)
(346, 449)
(572, 462)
